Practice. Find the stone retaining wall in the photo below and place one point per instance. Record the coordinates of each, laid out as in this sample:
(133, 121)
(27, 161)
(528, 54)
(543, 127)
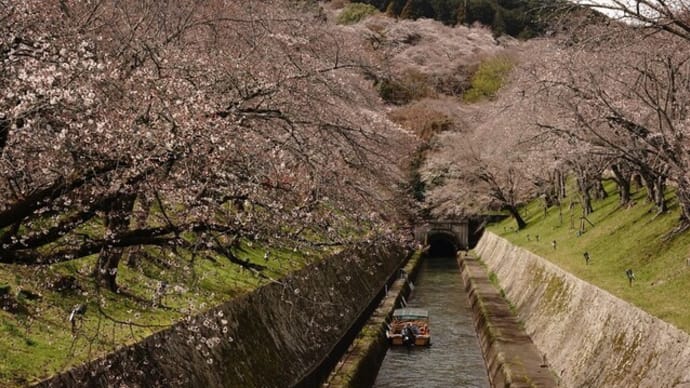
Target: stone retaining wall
(360, 365)
(510, 356)
(590, 337)
(272, 337)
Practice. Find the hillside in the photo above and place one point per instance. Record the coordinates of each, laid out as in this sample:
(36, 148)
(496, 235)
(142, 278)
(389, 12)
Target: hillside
(580, 127)
(616, 240)
(576, 125)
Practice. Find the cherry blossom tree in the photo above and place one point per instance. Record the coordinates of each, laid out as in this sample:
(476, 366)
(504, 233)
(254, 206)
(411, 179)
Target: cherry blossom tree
(669, 16)
(627, 98)
(184, 126)
(488, 168)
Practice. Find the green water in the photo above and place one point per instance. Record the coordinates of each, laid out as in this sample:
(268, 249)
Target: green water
(454, 359)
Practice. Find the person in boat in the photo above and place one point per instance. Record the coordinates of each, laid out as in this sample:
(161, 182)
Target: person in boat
(415, 329)
(424, 330)
(410, 333)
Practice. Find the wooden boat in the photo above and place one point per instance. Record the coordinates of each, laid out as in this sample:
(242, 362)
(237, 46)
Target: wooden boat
(409, 327)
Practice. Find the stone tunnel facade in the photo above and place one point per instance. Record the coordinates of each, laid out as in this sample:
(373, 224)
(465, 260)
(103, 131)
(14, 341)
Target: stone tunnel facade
(450, 234)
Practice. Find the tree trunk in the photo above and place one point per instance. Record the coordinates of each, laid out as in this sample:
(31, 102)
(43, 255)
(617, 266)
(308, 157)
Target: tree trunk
(623, 182)
(659, 197)
(684, 200)
(636, 180)
(521, 224)
(552, 193)
(584, 185)
(586, 198)
(4, 132)
(140, 219)
(600, 192)
(587, 203)
(117, 221)
(559, 183)
(648, 181)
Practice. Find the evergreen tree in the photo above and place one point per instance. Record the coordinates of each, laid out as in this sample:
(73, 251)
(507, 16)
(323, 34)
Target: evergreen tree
(461, 14)
(414, 9)
(521, 18)
(510, 4)
(445, 10)
(481, 11)
(498, 26)
(515, 22)
(390, 10)
(395, 7)
(407, 12)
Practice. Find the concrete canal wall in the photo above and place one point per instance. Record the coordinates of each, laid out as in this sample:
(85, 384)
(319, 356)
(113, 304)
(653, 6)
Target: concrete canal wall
(590, 338)
(510, 356)
(273, 337)
(359, 366)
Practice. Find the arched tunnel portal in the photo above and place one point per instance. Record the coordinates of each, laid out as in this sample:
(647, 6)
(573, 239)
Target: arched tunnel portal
(442, 244)
(446, 237)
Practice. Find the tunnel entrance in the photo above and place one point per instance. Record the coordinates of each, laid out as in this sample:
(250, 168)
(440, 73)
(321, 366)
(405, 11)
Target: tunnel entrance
(443, 238)
(441, 246)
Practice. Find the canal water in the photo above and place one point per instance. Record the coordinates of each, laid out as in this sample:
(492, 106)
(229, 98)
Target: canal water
(454, 359)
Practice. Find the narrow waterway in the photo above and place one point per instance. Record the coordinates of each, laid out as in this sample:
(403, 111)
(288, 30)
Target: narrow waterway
(454, 359)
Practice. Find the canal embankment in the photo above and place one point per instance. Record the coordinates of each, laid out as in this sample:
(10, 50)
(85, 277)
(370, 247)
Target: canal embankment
(589, 337)
(276, 336)
(511, 358)
(360, 364)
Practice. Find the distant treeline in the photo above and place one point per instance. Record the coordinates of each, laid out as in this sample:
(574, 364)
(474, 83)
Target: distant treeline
(518, 18)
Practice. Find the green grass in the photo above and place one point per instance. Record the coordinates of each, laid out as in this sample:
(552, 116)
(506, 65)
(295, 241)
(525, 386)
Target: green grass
(37, 339)
(354, 12)
(621, 238)
(40, 343)
(488, 79)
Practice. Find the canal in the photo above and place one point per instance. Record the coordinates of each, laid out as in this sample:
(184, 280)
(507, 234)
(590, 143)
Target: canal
(454, 359)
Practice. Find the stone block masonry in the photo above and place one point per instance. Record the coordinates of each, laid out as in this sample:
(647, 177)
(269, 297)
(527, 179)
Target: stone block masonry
(511, 358)
(589, 337)
(359, 366)
(271, 337)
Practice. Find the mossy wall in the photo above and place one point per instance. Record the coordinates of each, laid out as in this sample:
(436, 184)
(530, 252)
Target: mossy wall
(590, 338)
(360, 365)
(272, 337)
(510, 356)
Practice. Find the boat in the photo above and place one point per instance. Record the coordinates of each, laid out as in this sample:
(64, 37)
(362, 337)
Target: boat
(409, 327)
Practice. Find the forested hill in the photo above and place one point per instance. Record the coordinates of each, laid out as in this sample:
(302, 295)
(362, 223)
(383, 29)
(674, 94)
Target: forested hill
(518, 18)
(597, 100)
(580, 137)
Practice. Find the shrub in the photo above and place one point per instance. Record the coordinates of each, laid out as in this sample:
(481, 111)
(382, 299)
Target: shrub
(411, 85)
(488, 79)
(455, 82)
(423, 119)
(393, 92)
(354, 12)
(337, 4)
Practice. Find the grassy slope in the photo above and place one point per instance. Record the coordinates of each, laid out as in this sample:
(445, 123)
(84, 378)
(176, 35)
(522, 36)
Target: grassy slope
(39, 343)
(621, 238)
